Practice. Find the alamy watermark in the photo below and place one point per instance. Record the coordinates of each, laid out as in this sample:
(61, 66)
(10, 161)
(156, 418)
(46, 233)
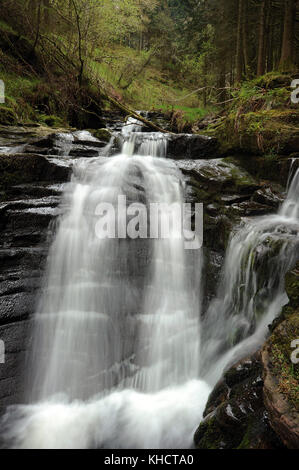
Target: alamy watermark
(2, 352)
(295, 93)
(174, 221)
(295, 354)
(2, 92)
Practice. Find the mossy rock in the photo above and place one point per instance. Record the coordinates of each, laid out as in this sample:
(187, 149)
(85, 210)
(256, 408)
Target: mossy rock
(209, 436)
(102, 134)
(258, 133)
(281, 381)
(7, 116)
(292, 286)
(274, 80)
(51, 121)
(235, 415)
(280, 351)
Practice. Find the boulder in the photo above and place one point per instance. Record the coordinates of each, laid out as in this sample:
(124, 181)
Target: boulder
(235, 416)
(192, 146)
(281, 382)
(29, 168)
(281, 376)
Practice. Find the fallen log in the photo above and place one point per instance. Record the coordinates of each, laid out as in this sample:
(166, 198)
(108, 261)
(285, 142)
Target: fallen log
(130, 113)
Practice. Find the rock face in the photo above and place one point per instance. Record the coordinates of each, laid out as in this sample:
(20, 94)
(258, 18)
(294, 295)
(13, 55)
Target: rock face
(31, 185)
(228, 194)
(256, 404)
(281, 376)
(28, 168)
(73, 144)
(192, 146)
(235, 415)
(25, 216)
(283, 415)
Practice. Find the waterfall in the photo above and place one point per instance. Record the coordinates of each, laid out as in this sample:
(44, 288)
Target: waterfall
(122, 356)
(251, 292)
(115, 354)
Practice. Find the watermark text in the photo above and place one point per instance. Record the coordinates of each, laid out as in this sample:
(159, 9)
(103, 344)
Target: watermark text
(173, 221)
(295, 93)
(2, 92)
(295, 353)
(2, 352)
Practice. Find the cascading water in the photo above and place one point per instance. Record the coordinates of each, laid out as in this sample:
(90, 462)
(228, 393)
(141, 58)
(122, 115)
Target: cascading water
(116, 341)
(251, 293)
(120, 359)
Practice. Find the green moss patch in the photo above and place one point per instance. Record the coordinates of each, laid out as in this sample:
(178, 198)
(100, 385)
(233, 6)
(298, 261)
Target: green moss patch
(283, 369)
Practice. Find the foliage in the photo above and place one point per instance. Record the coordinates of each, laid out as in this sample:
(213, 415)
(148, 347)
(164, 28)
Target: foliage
(152, 53)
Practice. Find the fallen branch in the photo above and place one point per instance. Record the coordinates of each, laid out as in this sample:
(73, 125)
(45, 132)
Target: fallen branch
(130, 113)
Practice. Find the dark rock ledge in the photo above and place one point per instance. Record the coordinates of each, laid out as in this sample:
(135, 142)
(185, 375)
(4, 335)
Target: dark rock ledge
(30, 187)
(256, 404)
(281, 377)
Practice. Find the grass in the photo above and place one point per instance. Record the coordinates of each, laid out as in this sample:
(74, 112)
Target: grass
(190, 114)
(153, 89)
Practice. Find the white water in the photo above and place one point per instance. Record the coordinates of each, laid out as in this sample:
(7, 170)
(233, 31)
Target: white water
(117, 359)
(251, 293)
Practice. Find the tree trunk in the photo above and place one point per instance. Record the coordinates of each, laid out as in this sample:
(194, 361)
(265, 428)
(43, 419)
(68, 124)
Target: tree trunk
(286, 58)
(245, 35)
(222, 81)
(267, 34)
(46, 12)
(261, 50)
(239, 61)
(37, 25)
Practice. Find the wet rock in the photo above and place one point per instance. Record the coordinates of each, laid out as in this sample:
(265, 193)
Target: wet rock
(281, 375)
(102, 134)
(213, 264)
(33, 186)
(229, 199)
(281, 382)
(217, 230)
(292, 286)
(82, 151)
(16, 306)
(192, 146)
(15, 338)
(77, 144)
(26, 168)
(235, 416)
(267, 197)
(250, 208)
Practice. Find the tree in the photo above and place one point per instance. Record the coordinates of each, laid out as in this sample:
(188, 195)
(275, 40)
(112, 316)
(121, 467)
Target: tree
(286, 59)
(239, 57)
(261, 61)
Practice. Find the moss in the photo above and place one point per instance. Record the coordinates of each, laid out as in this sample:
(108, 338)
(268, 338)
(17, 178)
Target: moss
(292, 286)
(102, 134)
(51, 120)
(7, 116)
(261, 118)
(283, 369)
(246, 442)
(208, 435)
(261, 132)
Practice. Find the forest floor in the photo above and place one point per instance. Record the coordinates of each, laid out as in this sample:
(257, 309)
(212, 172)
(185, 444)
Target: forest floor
(258, 117)
(33, 95)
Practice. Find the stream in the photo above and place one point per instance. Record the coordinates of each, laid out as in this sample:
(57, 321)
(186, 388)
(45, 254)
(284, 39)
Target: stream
(123, 354)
